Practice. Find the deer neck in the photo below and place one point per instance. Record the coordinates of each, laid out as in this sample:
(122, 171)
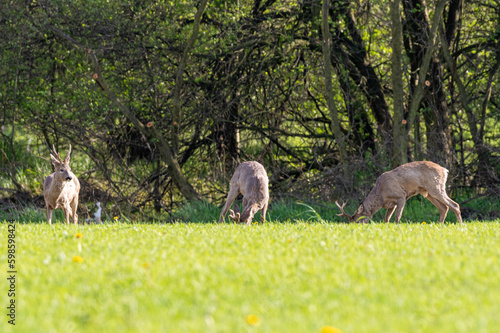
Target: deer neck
(372, 203)
(249, 212)
(59, 184)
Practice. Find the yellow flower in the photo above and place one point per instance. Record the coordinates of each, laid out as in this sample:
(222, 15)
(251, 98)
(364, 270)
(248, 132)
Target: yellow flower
(77, 259)
(252, 320)
(145, 265)
(78, 235)
(424, 223)
(330, 329)
(115, 218)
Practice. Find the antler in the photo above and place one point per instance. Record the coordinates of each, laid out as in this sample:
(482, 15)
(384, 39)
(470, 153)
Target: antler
(56, 154)
(342, 210)
(235, 215)
(66, 159)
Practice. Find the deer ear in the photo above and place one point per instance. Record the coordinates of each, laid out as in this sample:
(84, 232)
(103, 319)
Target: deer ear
(360, 210)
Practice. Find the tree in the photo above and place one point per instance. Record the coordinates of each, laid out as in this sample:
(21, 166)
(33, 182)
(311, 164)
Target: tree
(335, 123)
(399, 155)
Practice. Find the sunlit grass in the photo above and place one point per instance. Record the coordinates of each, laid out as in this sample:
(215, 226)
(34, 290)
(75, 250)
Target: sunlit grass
(296, 276)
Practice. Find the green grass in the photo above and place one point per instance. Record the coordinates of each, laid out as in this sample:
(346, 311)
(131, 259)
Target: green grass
(294, 276)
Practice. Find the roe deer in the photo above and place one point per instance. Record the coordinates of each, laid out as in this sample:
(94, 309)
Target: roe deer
(60, 189)
(394, 187)
(249, 179)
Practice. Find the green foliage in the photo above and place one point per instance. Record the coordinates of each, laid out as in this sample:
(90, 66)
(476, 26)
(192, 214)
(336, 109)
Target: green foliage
(255, 74)
(30, 214)
(417, 210)
(294, 277)
(197, 212)
(21, 161)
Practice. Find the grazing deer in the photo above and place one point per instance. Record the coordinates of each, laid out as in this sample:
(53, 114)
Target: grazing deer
(249, 179)
(60, 189)
(393, 188)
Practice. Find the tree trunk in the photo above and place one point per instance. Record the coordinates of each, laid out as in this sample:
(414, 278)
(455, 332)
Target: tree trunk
(483, 153)
(421, 40)
(400, 134)
(334, 117)
(177, 110)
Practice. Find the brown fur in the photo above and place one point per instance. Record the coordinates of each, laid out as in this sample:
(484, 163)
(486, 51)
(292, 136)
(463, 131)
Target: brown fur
(61, 189)
(394, 187)
(249, 179)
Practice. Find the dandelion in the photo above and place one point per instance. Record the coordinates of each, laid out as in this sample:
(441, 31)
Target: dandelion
(78, 235)
(77, 259)
(115, 218)
(424, 223)
(145, 265)
(252, 320)
(330, 329)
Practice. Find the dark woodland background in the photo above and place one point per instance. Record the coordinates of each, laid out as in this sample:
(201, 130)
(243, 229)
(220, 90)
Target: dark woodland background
(161, 100)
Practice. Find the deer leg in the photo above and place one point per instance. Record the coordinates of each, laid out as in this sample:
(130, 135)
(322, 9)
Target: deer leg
(231, 196)
(454, 207)
(443, 198)
(389, 212)
(67, 213)
(443, 209)
(263, 213)
(74, 206)
(399, 210)
(49, 214)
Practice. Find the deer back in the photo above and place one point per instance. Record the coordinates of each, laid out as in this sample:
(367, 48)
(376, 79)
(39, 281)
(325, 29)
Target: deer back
(412, 178)
(252, 181)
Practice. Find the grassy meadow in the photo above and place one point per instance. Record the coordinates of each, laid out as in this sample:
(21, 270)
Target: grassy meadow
(295, 276)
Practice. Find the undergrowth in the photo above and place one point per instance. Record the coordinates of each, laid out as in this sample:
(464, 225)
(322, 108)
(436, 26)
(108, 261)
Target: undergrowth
(416, 210)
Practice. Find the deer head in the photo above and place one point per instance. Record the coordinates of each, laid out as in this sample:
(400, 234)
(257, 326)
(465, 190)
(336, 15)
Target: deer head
(358, 216)
(61, 168)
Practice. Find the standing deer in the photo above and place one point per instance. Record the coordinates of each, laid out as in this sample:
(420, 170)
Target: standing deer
(394, 187)
(249, 179)
(60, 189)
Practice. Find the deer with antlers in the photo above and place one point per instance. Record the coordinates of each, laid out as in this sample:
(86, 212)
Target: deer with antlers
(61, 189)
(394, 187)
